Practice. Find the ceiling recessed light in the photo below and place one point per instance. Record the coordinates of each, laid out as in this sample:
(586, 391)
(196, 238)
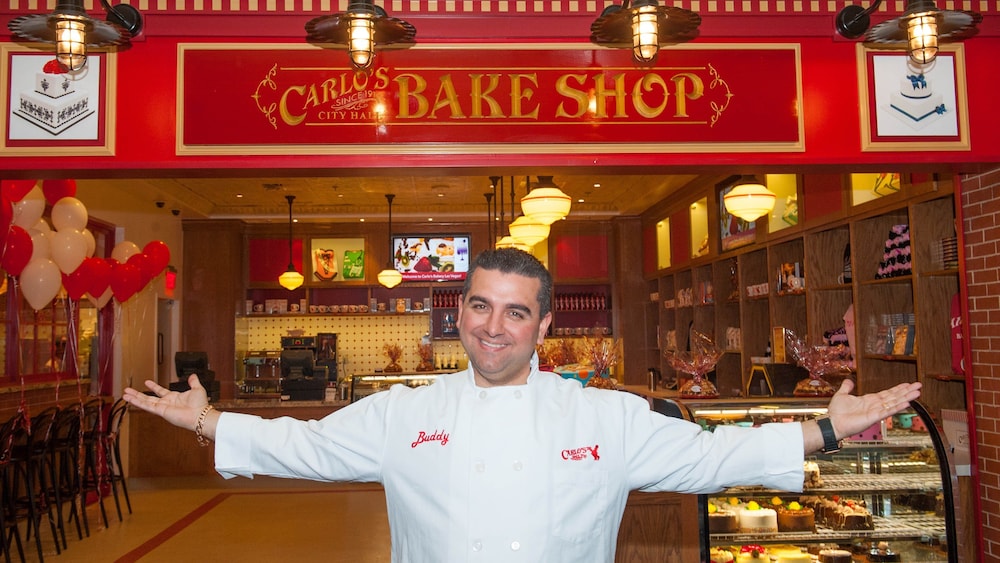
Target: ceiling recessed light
(239, 195)
(580, 200)
(362, 219)
(597, 184)
(430, 218)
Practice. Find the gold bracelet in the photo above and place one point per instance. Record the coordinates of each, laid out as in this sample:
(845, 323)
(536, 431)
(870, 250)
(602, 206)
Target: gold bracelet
(200, 427)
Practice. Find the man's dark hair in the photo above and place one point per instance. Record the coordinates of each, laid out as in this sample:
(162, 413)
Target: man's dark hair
(514, 261)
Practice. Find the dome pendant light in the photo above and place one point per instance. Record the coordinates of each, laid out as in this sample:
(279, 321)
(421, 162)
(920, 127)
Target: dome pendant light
(291, 279)
(749, 200)
(546, 203)
(390, 276)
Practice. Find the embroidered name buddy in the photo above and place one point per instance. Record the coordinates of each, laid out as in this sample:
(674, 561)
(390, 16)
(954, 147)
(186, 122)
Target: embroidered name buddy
(436, 436)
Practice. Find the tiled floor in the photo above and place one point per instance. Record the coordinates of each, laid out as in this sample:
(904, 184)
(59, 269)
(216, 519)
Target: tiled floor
(214, 520)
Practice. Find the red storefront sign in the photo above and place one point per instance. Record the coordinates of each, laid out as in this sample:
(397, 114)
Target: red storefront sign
(240, 99)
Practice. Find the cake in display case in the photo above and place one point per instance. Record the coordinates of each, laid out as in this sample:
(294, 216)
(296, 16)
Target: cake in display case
(885, 496)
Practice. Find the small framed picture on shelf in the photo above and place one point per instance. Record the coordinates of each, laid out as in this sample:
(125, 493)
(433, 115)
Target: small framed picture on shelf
(907, 107)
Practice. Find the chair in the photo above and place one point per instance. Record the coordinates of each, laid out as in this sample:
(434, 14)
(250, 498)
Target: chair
(64, 449)
(8, 513)
(30, 487)
(94, 475)
(112, 453)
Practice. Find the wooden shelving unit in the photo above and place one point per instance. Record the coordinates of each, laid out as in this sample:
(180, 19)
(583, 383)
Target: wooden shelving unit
(919, 299)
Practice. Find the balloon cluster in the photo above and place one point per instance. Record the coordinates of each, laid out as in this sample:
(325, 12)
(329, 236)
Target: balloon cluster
(46, 257)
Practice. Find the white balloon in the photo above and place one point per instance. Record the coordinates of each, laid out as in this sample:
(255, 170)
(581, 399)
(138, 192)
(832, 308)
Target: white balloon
(69, 213)
(124, 250)
(42, 225)
(91, 243)
(100, 302)
(29, 210)
(40, 244)
(40, 282)
(69, 248)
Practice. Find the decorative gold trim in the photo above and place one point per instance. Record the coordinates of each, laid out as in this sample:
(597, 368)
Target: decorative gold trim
(488, 148)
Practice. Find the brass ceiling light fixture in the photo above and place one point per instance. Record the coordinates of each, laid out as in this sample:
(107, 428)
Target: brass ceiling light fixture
(918, 31)
(73, 31)
(644, 26)
(390, 276)
(363, 28)
(291, 279)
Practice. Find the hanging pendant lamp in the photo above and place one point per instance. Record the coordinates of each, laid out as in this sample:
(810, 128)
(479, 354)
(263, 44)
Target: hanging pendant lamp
(644, 26)
(291, 279)
(390, 276)
(546, 203)
(72, 30)
(363, 28)
(528, 230)
(749, 200)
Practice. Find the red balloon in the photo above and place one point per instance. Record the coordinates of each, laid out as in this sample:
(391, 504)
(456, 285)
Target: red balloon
(55, 190)
(15, 190)
(159, 254)
(100, 275)
(145, 267)
(16, 251)
(6, 216)
(76, 282)
(126, 280)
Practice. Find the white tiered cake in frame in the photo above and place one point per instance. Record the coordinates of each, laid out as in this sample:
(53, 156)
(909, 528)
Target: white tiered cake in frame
(54, 103)
(916, 99)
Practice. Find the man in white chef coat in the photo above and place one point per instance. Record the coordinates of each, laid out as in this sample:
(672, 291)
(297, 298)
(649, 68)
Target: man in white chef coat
(502, 462)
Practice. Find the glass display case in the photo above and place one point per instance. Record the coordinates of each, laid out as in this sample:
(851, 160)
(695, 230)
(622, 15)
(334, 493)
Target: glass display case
(885, 496)
(363, 385)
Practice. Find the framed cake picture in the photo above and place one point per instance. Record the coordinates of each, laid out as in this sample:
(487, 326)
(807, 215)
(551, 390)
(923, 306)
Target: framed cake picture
(906, 106)
(49, 110)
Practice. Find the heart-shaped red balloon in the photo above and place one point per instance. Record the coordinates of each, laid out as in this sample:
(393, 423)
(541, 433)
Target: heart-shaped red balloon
(145, 266)
(126, 280)
(17, 250)
(54, 190)
(159, 254)
(76, 282)
(100, 275)
(15, 190)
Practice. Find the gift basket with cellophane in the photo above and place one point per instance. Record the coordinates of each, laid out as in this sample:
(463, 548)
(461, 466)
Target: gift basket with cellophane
(698, 361)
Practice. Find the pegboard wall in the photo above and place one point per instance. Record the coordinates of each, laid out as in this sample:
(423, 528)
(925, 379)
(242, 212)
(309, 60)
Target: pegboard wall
(360, 338)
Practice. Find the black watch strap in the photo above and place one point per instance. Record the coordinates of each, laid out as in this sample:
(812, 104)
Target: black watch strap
(830, 442)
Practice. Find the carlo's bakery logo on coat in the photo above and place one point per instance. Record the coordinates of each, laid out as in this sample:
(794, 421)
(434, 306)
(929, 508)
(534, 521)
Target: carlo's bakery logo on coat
(582, 453)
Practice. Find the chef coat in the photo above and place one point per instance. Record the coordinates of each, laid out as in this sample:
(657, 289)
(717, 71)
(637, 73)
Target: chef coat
(538, 472)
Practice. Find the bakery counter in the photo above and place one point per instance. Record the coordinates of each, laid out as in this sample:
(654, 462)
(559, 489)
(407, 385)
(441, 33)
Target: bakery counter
(157, 448)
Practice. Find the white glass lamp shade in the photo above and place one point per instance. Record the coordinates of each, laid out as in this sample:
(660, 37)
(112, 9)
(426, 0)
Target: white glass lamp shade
(922, 36)
(390, 277)
(361, 39)
(291, 279)
(71, 40)
(645, 34)
(510, 242)
(749, 201)
(528, 230)
(546, 205)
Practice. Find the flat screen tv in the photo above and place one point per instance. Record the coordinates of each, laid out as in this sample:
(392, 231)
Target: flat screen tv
(431, 257)
(296, 364)
(187, 363)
